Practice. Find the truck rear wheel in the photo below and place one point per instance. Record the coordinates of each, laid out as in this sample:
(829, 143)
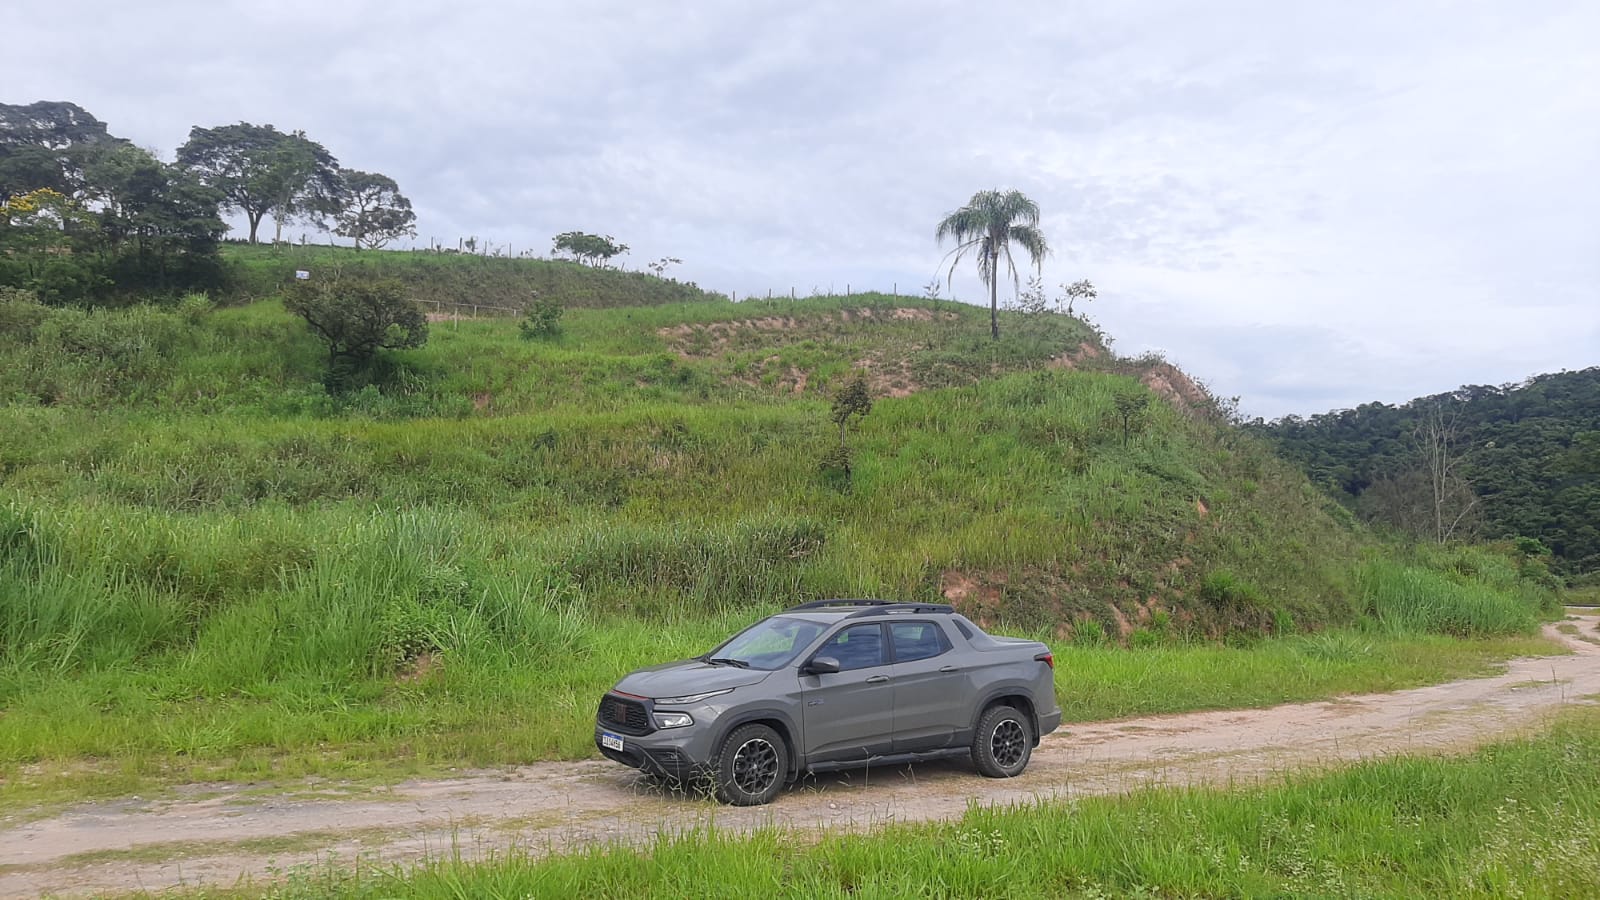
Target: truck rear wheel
(1003, 744)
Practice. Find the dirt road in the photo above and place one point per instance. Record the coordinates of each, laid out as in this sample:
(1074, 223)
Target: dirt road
(218, 834)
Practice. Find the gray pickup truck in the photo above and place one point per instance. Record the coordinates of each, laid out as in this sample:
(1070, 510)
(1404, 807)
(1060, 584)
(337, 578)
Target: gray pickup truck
(829, 685)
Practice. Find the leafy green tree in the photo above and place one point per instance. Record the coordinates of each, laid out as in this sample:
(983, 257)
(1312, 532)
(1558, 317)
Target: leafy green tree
(161, 208)
(1130, 407)
(260, 170)
(44, 145)
(987, 226)
(852, 402)
(357, 318)
(589, 249)
(309, 183)
(372, 211)
(1078, 290)
(1031, 301)
(107, 216)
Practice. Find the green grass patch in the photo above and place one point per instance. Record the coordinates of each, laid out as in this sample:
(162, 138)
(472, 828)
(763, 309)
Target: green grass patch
(1416, 599)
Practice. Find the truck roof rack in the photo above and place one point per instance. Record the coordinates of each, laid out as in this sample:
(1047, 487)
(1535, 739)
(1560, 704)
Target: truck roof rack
(873, 607)
(824, 604)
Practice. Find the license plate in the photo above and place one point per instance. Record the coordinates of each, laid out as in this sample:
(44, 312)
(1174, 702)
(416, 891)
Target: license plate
(611, 741)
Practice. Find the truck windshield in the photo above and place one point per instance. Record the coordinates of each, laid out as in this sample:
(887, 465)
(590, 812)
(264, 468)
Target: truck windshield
(768, 644)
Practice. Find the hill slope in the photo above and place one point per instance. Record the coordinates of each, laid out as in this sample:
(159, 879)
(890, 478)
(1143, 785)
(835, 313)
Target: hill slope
(665, 456)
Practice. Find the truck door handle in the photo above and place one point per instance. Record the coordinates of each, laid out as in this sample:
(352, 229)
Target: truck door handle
(878, 679)
(948, 669)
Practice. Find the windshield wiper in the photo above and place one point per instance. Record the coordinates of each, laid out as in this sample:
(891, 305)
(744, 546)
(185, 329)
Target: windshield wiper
(726, 661)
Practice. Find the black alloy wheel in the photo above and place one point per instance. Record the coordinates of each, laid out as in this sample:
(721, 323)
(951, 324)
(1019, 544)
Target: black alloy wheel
(1003, 744)
(751, 766)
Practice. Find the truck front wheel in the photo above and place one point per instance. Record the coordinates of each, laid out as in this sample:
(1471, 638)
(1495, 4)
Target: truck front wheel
(751, 765)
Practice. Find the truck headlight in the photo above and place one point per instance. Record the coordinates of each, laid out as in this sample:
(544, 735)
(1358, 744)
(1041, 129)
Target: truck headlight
(673, 720)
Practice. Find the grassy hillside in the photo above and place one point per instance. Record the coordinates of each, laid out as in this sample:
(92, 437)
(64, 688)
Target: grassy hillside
(206, 557)
(672, 441)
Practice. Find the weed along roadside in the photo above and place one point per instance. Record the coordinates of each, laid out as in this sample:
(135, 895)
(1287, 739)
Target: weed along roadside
(225, 563)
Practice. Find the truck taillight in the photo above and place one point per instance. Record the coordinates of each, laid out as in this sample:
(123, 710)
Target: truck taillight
(1048, 659)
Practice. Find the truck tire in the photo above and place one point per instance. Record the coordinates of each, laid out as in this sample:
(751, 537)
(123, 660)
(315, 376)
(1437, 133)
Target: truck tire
(1003, 744)
(751, 766)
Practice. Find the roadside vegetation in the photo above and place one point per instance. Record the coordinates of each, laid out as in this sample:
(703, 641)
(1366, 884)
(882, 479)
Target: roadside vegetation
(215, 564)
(1516, 819)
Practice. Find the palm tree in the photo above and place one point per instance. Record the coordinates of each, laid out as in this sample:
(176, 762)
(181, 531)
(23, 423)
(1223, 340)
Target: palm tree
(989, 223)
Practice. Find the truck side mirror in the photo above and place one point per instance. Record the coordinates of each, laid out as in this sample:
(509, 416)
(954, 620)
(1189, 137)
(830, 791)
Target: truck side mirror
(822, 665)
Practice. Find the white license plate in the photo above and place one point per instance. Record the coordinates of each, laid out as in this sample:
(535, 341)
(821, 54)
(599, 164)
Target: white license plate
(611, 741)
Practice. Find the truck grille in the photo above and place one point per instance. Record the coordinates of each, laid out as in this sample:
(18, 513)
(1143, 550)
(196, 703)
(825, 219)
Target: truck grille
(626, 716)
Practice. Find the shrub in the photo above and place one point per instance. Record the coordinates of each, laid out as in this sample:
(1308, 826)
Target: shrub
(358, 318)
(541, 318)
(1089, 633)
(1282, 621)
(20, 314)
(1224, 591)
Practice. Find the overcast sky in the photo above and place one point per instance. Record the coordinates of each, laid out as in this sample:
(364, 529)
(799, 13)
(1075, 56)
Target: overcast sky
(1309, 205)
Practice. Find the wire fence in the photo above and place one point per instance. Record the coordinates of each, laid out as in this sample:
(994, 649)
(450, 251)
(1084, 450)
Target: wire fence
(457, 310)
(818, 291)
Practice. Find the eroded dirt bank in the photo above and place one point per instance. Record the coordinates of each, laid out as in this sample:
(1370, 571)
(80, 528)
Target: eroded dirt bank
(218, 834)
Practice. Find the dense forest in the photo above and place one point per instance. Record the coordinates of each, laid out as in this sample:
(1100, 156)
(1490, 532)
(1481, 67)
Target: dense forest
(1517, 460)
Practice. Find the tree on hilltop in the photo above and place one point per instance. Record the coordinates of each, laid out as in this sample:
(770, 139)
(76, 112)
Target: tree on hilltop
(46, 145)
(988, 225)
(589, 249)
(84, 213)
(372, 211)
(260, 170)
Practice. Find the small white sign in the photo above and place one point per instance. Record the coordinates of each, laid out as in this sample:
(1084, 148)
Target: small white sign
(301, 275)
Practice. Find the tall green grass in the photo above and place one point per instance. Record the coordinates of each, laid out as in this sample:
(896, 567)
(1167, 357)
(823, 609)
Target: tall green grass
(1411, 598)
(1518, 819)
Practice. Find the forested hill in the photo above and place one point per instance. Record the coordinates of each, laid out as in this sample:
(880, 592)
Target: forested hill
(1528, 453)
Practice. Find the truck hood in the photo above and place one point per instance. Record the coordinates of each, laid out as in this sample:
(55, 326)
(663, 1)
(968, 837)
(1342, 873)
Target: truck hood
(688, 676)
